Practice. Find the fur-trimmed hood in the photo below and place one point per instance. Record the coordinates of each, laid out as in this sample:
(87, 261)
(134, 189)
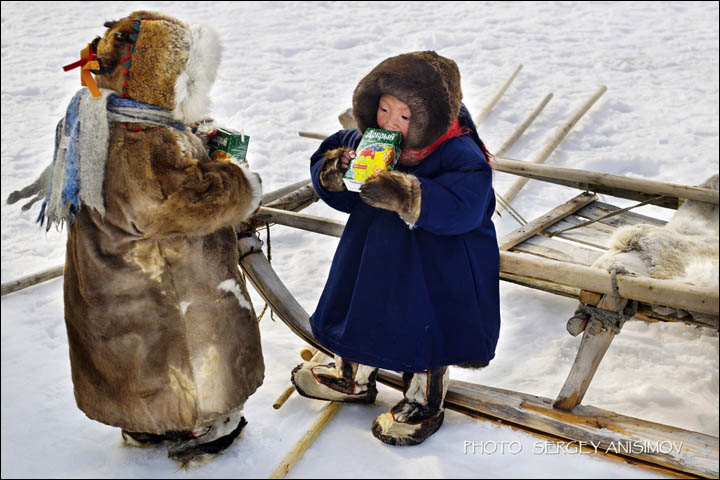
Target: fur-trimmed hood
(153, 58)
(427, 82)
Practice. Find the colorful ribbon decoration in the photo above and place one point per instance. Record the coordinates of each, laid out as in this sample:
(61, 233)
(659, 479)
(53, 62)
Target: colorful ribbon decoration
(87, 62)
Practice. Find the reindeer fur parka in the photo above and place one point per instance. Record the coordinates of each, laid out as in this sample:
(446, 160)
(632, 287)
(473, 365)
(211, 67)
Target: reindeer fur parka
(409, 299)
(161, 331)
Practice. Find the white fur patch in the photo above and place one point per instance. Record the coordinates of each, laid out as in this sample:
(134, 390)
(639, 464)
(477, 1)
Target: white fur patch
(256, 189)
(192, 86)
(231, 285)
(184, 306)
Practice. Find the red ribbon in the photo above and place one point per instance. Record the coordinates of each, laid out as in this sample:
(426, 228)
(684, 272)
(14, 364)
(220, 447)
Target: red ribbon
(86, 55)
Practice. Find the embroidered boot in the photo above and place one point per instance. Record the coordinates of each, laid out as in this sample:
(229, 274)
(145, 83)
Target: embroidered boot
(420, 413)
(341, 381)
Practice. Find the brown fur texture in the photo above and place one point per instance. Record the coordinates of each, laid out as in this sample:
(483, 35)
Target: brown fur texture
(395, 191)
(159, 57)
(161, 330)
(427, 82)
(331, 173)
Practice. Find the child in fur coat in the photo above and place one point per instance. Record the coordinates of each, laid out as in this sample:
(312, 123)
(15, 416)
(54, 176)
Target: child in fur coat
(413, 286)
(164, 343)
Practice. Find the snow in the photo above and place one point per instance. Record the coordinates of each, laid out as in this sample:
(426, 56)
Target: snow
(291, 66)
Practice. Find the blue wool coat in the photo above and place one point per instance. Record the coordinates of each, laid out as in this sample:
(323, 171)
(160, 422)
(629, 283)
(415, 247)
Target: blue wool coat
(411, 299)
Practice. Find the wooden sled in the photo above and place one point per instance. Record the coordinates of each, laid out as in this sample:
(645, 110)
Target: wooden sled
(556, 265)
(531, 258)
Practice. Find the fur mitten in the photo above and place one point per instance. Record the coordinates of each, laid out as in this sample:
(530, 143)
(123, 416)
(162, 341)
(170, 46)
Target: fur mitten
(395, 191)
(331, 172)
(205, 129)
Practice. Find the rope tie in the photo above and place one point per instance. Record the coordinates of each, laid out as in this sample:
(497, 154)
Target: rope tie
(611, 320)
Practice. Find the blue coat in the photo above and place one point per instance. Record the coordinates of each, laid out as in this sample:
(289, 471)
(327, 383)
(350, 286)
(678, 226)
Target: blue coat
(408, 300)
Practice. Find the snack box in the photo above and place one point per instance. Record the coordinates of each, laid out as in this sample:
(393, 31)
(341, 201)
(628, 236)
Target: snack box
(378, 150)
(229, 144)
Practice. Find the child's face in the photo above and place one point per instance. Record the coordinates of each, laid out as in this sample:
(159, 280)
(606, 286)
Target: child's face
(393, 114)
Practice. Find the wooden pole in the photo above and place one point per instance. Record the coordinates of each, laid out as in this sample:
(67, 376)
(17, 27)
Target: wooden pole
(316, 135)
(307, 353)
(297, 195)
(294, 455)
(616, 185)
(505, 147)
(515, 188)
(30, 280)
(479, 118)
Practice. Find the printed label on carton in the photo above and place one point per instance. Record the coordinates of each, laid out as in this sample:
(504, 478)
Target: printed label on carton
(378, 150)
(230, 145)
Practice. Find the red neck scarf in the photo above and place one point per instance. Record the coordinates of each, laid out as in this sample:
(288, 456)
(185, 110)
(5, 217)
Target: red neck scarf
(413, 156)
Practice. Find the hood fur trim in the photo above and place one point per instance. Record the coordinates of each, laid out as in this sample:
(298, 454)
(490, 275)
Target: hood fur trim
(156, 59)
(192, 87)
(427, 82)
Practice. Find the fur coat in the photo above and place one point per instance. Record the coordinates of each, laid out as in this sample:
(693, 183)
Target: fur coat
(161, 330)
(409, 298)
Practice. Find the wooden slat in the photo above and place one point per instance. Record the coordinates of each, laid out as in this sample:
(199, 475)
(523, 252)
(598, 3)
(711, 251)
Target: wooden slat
(544, 285)
(598, 209)
(558, 250)
(592, 235)
(541, 223)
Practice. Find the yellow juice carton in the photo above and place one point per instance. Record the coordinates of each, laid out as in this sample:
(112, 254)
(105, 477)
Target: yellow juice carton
(378, 150)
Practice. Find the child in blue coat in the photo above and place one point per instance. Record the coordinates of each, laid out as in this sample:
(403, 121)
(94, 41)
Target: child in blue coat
(413, 286)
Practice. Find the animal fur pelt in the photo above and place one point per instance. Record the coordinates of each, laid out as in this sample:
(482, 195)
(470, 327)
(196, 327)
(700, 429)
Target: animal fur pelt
(684, 250)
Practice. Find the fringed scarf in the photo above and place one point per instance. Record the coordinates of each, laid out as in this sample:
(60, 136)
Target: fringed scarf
(75, 175)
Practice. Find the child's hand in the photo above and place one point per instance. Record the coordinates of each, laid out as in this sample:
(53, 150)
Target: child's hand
(334, 166)
(395, 191)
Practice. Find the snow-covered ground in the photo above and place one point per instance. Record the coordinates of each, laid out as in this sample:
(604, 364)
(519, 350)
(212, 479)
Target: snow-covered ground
(291, 66)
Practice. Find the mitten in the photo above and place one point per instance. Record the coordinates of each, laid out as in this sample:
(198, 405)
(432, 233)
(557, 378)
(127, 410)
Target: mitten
(206, 129)
(395, 191)
(332, 171)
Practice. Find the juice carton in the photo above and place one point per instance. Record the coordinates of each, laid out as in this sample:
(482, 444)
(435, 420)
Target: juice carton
(229, 144)
(378, 150)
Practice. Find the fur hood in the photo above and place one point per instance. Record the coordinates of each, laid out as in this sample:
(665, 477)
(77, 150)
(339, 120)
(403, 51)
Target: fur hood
(153, 58)
(426, 81)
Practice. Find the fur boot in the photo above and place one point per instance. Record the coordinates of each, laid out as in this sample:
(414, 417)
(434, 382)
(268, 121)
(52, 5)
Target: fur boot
(341, 381)
(188, 448)
(420, 413)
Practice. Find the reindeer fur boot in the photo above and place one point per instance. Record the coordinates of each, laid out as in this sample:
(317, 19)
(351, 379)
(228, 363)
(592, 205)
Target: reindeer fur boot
(419, 414)
(341, 381)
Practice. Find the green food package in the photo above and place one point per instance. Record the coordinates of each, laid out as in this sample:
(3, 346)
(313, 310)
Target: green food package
(378, 150)
(230, 145)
